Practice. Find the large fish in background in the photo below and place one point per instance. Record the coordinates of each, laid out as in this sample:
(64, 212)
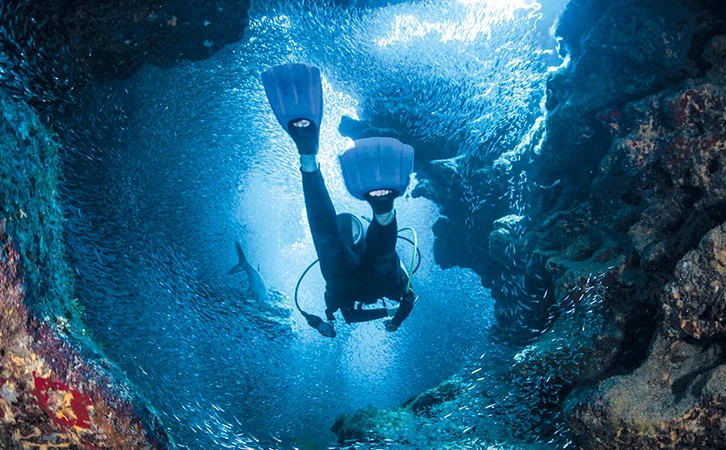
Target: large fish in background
(258, 288)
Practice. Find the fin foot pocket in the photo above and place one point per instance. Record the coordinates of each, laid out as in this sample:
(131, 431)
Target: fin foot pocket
(306, 135)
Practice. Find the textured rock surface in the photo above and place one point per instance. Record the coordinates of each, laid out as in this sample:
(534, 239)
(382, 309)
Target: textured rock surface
(48, 47)
(51, 396)
(694, 303)
(656, 187)
(677, 398)
(674, 401)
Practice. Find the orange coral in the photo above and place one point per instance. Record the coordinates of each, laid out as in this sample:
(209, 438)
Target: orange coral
(49, 397)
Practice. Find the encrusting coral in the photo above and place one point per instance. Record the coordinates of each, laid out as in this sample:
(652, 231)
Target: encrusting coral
(50, 395)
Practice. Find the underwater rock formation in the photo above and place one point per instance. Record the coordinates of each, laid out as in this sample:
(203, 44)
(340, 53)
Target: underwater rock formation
(633, 159)
(443, 182)
(677, 398)
(55, 392)
(48, 47)
(417, 424)
(658, 190)
(51, 396)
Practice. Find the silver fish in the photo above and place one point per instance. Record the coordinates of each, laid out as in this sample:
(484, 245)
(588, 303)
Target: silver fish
(258, 288)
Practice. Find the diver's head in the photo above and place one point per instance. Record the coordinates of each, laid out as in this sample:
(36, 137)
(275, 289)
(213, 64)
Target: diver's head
(351, 230)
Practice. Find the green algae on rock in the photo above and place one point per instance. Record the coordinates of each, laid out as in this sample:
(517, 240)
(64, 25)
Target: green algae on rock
(29, 203)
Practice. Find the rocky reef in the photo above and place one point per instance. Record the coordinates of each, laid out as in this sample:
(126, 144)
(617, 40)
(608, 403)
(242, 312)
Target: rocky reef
(48, 48)
(676, 398)
(606, 255)
(654, 189)
(56, 390)
(52, 396)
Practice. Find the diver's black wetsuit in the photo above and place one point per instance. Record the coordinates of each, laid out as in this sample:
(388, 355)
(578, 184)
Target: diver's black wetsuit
(350, 276)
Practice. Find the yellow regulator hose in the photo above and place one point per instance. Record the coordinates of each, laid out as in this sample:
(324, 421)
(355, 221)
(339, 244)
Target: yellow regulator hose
(413, 255)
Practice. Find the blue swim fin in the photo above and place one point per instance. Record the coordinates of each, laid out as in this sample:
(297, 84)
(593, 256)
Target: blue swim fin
(294, 92)
(377, 163)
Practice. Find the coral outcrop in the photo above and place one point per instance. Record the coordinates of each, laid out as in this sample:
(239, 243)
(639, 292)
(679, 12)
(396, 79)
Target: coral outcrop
(55, 392)
(657, 191)
(50, 395)
(628, 180)
(677, 398)
(693, 304)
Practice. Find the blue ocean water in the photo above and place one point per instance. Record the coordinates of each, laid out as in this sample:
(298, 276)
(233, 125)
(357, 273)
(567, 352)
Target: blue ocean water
(171, 166)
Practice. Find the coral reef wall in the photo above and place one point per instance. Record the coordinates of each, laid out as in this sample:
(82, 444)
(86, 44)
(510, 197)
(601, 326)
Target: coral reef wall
(55, 391)
(609, 281)
(635, 138)
(50, 395)
(631, 156)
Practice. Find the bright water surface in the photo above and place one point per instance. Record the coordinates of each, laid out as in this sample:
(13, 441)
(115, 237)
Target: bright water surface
(173, 165)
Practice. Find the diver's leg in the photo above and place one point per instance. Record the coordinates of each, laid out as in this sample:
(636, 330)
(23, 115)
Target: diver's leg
(334, 255)
(380, 239)
(381, 255)
(320, 210)
(383, 230)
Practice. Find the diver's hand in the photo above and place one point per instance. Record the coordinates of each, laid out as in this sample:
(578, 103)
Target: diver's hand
(326, 329)
(390, 326)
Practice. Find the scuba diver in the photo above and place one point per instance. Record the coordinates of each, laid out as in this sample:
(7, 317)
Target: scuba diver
(359, 266)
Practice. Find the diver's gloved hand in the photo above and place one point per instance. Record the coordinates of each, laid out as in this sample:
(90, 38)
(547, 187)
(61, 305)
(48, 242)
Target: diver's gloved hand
(381, 200)
(390, 326)
(305, 134)
(326, 329)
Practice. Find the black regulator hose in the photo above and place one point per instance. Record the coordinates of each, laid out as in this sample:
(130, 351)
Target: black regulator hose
(297, 287)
